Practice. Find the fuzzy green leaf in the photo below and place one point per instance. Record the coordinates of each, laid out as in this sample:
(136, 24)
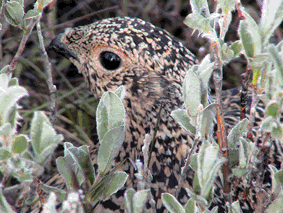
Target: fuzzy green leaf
(118, 181)
(171, 203)
(110, 145)
(139, 200)
(277, 60)
(4, 205)
(253, 29)
(8, 99)
(226, 5)
(110, 113)
(20, 144)
(276, 188)
(209, 163)
(200, 7)
(190, 206)
(82, 158)
(246, 39)
(236, 47)
(192, 92)
(4, 154)
(272, 109)
(181, 116)
(129, 195)
(271, 17)
(14, 13)
(120, 92)
(200, 23)
(31, 14)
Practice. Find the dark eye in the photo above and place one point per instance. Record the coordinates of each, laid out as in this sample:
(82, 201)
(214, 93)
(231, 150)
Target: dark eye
(110, 60)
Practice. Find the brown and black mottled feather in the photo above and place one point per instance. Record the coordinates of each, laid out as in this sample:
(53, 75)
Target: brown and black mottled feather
(151, 64)
(152, 67)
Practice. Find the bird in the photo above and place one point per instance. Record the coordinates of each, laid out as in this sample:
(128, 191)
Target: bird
(151, 65)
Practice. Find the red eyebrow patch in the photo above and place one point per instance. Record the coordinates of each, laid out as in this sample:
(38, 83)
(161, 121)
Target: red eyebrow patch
(98, 46)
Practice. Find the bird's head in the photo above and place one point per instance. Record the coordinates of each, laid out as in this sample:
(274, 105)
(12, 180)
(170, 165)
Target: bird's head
(125, 51)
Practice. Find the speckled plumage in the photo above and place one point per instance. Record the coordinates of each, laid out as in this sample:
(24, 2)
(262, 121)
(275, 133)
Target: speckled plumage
(152, 70)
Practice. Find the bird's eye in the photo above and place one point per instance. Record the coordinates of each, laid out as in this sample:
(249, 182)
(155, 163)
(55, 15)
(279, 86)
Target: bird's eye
(110, 61)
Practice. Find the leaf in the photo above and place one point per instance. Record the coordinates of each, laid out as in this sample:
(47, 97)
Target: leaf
(200, 7)
(110, 145)
(224, 22)
(43, 157)
(120, 92)
(276, 188)
(66, 169)
(236, 132)
(37, 129)
(61, 194)
(31, 14)
(5, 130)
(50, 205)
(13, 82)
(4, 205)
(129, 195)
(139, 200)
(246, 39)
(81, 156)
(192, 92)
(279, 177)
(276, 206)
(267, 124)
(4, 154)
(110, 113)
(236, 47)
(4, 70)
(193, 163)
(272, 109)
(205, 69)
(271, 17)
(99, 188)
(171, 203)
(277, 131)
(14, 13)
(117, 182)
(43, 136)
(181, 116)
(239, 172)
(277, 60)
(200, 23)
(207, 122)
(190, 206)
(226, 5)
(8, 99)
(197, 198)
(227, 53)
(20, 144)
(245, 152)
(209, 163)
(253, 29)
(236, 208)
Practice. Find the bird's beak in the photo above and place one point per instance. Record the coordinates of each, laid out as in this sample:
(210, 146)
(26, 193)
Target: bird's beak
(60, 48)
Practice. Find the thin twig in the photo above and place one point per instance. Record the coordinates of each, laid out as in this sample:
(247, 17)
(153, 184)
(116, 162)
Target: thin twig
(49, 81)
(147, 177)
(221, 131)
(186, 167)
(21, 48)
